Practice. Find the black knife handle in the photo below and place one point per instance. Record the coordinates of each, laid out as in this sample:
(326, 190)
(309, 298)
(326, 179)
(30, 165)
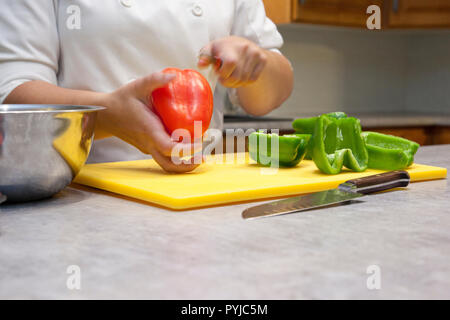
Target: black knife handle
(377, 182)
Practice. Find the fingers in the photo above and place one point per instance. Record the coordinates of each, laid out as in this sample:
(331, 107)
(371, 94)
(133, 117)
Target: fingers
(229, 71)
(162, 147)
(163, 142)
(206, 56)
(204, 60)
(143, 87)
(254, 65)
(257, 71)
(242, 61)
(167, 164)
(223, 56)
(159, 136)
(258, 68)
(225, 73)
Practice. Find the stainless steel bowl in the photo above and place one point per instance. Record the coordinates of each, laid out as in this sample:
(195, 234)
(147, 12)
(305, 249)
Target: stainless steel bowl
(42, 148)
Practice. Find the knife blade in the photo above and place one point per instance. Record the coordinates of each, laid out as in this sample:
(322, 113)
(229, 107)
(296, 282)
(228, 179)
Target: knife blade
(349, 190)
(2, 198)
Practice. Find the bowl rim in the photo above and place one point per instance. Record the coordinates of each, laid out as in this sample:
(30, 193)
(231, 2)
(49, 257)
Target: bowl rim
(46, 108)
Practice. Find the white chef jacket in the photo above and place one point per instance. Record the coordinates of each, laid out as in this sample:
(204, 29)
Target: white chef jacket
(102, 45)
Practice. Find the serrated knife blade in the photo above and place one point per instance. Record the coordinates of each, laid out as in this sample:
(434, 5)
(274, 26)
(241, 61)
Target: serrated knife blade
(2, 198)
(300, 203)
(346, 191)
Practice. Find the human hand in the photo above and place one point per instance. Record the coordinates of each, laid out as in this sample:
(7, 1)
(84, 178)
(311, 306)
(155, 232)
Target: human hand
(237, 61)
(129, 116)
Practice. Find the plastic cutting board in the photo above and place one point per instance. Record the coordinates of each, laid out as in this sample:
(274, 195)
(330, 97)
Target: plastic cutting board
(215, 183)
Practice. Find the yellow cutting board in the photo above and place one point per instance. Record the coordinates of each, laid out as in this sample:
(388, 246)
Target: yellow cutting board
(220, 181)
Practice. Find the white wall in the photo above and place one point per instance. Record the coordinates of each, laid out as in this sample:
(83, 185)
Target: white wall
(428, 74)
(361, 71)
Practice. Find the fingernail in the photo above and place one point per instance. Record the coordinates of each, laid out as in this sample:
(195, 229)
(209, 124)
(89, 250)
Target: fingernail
(203, 62)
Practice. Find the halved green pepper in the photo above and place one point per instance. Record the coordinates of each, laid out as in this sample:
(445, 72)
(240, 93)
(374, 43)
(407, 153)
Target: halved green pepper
(291, 148)
(337, 142)
(306, 126)
(388, 152)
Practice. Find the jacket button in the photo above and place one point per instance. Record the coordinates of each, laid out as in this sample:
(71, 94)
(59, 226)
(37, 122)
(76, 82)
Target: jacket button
(127, 3)
(197, 10)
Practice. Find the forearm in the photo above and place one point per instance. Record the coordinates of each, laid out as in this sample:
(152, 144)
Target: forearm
(41, 92)
(272, 88)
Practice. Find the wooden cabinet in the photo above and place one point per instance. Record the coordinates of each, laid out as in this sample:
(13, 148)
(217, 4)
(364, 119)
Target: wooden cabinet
(430, 135)
(333, 12)
(421, 135)
(419, 13)
(441, 135)
(279, 11)
(394, 13)
(427, 135)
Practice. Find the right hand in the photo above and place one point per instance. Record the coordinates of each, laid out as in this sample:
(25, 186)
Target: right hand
(130, 117)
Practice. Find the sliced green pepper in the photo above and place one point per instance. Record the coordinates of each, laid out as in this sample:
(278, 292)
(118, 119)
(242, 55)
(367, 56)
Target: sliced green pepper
(291, 148)
(337, 142)
(306, 126)
(388, 152)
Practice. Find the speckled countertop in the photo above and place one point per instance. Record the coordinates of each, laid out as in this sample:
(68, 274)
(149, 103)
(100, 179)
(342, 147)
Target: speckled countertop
(368, 120)
(127, 249)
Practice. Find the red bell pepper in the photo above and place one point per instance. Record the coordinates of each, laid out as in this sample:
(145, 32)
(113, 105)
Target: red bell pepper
(184, 100)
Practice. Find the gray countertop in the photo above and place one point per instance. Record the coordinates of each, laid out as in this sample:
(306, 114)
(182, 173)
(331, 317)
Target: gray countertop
(128, 249)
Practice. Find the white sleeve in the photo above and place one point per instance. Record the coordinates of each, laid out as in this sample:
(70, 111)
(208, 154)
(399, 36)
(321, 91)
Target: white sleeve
(29, 46)
(251, 22)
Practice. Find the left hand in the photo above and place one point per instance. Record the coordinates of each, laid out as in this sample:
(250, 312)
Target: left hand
(241, 61)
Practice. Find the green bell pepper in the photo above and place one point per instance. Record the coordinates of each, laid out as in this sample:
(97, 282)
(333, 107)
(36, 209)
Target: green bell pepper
(388, 152)
(306, 126)
(337, 142)
(291, 148)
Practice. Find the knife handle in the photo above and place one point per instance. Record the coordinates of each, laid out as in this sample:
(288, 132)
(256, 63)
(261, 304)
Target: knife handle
(378, 182)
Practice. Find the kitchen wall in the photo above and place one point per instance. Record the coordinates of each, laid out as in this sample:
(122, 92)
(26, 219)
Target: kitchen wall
(428, 73)
(362, 71)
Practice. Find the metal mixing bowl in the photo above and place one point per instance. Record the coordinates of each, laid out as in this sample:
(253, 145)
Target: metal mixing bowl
(42, 148)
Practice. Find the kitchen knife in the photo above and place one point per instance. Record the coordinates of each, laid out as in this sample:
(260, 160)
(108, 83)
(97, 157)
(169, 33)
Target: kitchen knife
(2, 198)
(349, 190)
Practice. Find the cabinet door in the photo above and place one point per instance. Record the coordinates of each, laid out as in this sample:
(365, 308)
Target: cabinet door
(279, 11)
(419, 13)
(421, 135)
(334, 12)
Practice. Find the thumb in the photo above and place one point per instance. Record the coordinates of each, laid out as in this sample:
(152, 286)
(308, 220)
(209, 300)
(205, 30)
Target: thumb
(206, 56)
(144, 86)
